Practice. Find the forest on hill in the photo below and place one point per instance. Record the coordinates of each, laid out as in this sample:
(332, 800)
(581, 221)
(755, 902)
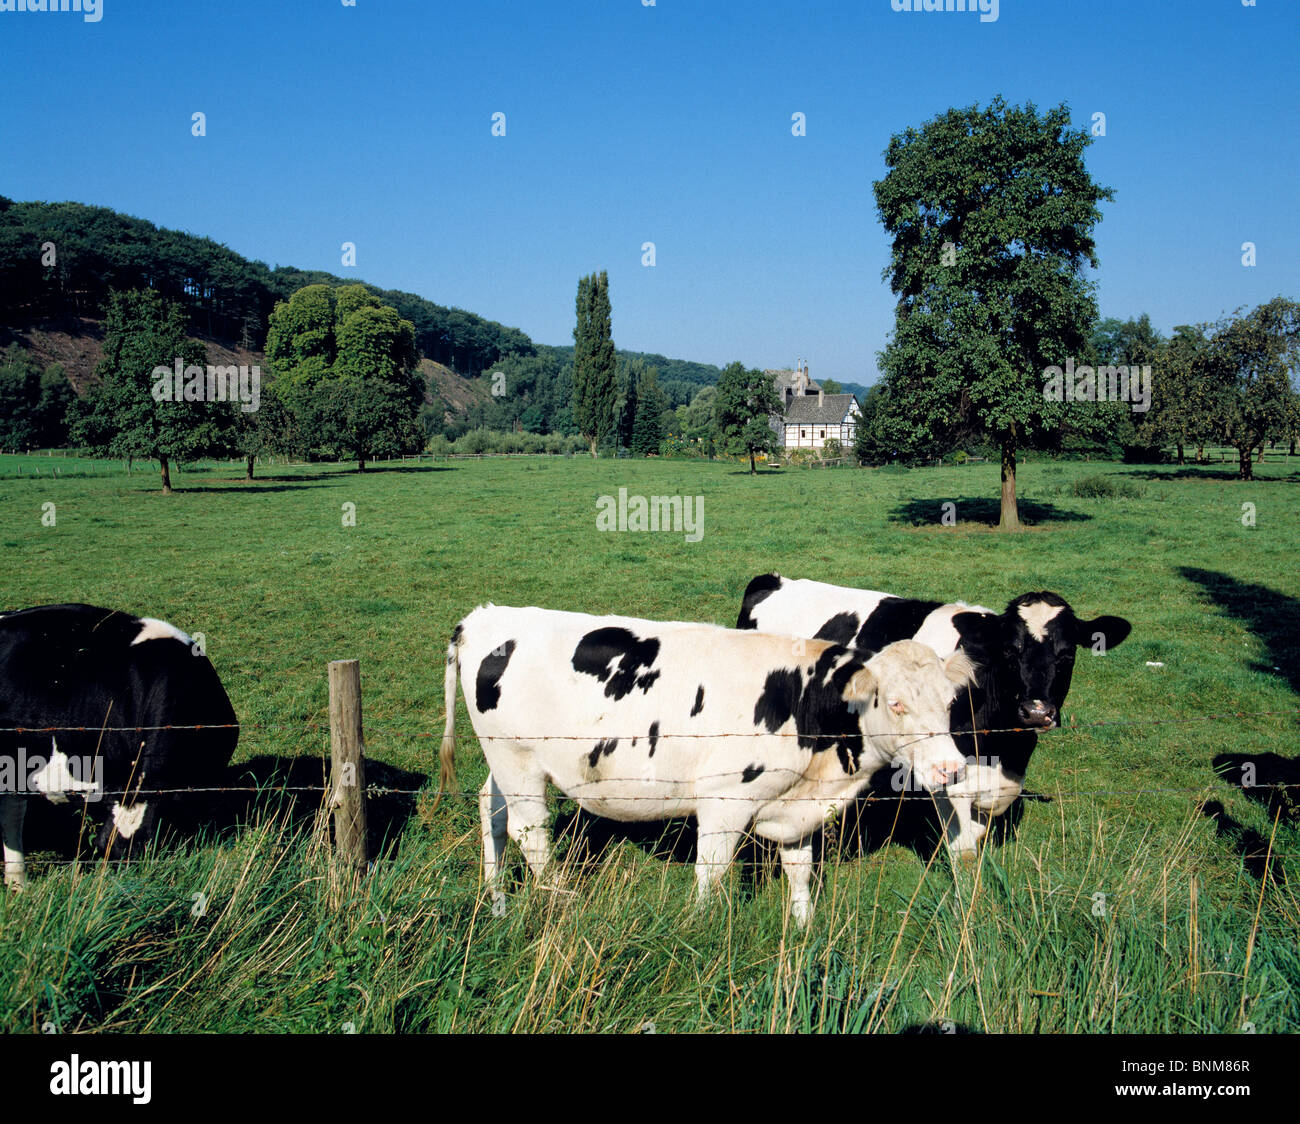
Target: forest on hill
(59, 263)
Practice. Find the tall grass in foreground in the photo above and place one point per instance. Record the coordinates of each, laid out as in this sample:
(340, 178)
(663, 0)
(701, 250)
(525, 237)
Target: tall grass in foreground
(251, 934)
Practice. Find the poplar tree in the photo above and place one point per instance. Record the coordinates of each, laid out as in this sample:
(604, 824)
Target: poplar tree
(595, 389)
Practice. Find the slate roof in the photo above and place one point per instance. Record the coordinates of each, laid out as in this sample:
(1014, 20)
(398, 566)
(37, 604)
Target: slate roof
(805, 411)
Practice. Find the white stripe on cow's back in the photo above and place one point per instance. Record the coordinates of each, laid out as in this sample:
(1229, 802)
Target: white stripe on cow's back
(1037, 616)
(128, 820)
(155, 629)
(937, 630)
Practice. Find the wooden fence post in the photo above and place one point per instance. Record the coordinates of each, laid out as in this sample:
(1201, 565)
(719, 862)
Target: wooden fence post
(348, 763)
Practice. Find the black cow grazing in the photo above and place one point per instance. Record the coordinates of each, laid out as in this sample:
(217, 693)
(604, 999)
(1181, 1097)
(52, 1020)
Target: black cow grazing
(1024, 659)
(80, 666)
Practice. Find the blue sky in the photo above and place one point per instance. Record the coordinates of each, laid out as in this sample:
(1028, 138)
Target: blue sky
(671, 123)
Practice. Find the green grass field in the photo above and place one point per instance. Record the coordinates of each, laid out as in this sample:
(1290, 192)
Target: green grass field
(1118, 905)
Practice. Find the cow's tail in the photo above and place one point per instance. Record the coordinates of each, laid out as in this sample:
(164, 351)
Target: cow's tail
(447, 755)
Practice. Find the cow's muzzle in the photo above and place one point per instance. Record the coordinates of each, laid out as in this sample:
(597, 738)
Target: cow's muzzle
(1037, 713)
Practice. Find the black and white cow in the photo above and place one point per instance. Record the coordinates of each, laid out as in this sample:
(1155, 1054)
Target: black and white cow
(1024, 659)
(100, 669)
(649, 720)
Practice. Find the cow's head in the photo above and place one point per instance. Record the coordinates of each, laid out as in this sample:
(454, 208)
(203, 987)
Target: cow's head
(902, 695)
(1030, 650)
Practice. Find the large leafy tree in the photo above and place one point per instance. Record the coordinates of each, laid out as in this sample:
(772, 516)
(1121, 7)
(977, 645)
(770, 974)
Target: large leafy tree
(595, 389)
(120, 416)
(345, 369)
(743, 410)
(991, 214)
(1251, 358)
(1186, 400)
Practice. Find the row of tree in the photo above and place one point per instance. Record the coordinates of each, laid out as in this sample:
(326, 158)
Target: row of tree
(341, 379)
(1224, 383)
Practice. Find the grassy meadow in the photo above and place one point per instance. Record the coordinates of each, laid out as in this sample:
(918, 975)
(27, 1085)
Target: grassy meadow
(1145, 892)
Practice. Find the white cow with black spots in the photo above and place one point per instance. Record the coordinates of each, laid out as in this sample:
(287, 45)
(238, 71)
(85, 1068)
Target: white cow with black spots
(647, 720)
(1024, 660)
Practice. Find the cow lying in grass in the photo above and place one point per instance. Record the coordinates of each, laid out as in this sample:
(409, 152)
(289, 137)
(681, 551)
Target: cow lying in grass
(1024, 659)
(646, 720)
(100, 670)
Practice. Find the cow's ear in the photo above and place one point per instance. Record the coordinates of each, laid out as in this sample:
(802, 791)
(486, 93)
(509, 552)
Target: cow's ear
(1109, 632)
(978, 631)
(861, 688)
(959, 669)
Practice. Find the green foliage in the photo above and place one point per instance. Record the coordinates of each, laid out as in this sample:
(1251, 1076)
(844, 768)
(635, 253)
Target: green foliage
(745, 404)
(650, 406)
(1105, 487)
(990, 212)
(33, 402)
(224, 294)
(595, 390)
(345, 376)
(120, 416)
(1251, 358)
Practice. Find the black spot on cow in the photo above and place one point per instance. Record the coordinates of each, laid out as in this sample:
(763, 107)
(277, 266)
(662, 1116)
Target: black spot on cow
(752, 772)
(840, 629)
(760, 588)
(779, 700)
(601, 749)
(487, 684)
(823, 719)
(654, 737)
(895, 618)
(699, 701)
(601, 647)
(455, 641)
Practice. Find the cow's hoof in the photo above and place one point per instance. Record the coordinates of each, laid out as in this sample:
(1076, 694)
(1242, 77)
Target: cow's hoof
(966, 858)
(16, 883)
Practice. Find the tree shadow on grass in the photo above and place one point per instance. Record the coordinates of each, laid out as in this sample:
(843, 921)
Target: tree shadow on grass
(1268, 779)
(971, 509)
(239, 487)
(1273, 617)
(396, 468)
(1222, 472)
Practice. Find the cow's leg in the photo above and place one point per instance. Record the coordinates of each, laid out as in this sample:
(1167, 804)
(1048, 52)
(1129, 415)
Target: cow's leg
(492, 816)
(717, 842)
(960, 828)
(526, 815)
(797, 862)
(12, 810)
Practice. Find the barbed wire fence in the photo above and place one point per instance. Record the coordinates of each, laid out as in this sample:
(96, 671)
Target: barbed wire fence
(345, 792)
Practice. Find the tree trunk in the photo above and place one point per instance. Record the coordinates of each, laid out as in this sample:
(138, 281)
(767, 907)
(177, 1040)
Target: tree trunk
(1010, 517)
(166, 475)
(1180, 452)
(752, 470)
(1245, 462)
(361, 464)
(593, 448)
(248, 467)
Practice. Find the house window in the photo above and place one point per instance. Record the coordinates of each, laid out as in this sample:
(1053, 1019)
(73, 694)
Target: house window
(821, 433)
(803, 433)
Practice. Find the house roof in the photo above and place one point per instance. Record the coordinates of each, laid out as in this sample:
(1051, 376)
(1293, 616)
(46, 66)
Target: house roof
(785, 380)
(805, 411)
